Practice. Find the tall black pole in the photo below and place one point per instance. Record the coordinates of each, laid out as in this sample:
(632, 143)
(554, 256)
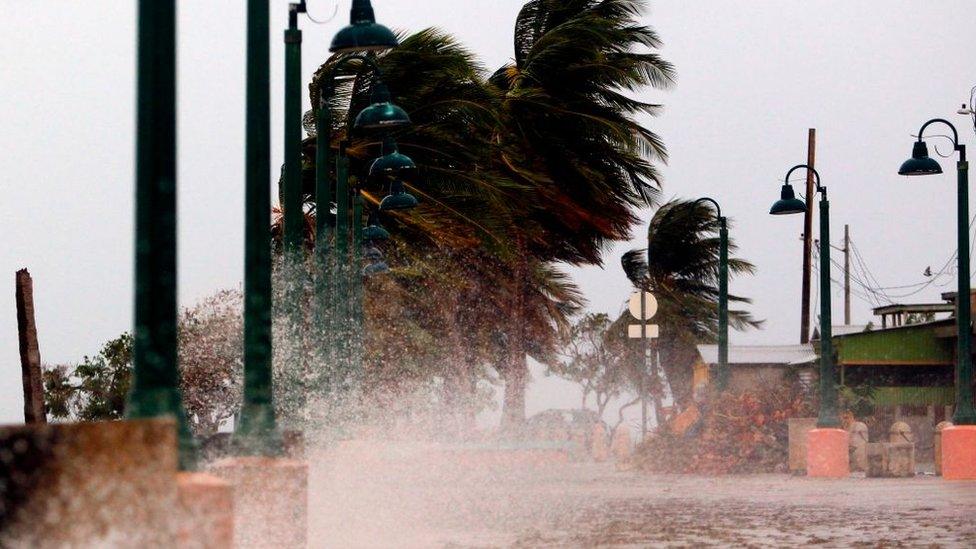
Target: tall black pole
(293, 267)
(323, 319)
(828, 417)
(722, 373)
(155, 384)
(723, 304)
(921, 164)
(292, 195)
(965, 414)
(256, 431)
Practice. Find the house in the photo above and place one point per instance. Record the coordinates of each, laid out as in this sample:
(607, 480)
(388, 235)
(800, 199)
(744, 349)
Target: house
(753, 367)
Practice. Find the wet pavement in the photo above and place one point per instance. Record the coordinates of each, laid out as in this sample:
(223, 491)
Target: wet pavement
(401, 497)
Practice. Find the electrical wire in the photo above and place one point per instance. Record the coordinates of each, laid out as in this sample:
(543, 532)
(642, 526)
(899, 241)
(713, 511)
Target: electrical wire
(871, 284)
(865, 297)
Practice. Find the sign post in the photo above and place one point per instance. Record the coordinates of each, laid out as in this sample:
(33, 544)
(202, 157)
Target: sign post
(643, 307)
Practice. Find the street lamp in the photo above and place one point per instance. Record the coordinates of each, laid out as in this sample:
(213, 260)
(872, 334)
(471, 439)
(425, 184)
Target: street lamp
(722, 380)
(827, 444)
(374, 231)
(336, 286)
(363, 33)
(921, 164)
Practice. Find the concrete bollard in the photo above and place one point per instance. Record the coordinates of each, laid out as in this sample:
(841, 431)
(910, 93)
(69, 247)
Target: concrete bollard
(207, 504)
(620, 443)
(599, 449)
(827, 453)
(901, 459)
(104, 484)
(959, 452)
(877, 458)
(858, 443)
(937, 445)
(891, 459)
(900, 432)
(270, 500)
(901, 450)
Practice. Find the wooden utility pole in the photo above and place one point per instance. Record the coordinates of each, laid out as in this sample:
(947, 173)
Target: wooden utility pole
(807, 240)
(847, 275)
(30, 355)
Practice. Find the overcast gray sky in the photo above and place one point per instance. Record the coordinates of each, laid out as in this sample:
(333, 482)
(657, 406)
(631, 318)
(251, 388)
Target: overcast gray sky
(753, 76)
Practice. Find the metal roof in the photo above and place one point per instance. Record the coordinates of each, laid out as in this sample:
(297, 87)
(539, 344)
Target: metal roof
(844, 329)
(896, 308)
(761, 354)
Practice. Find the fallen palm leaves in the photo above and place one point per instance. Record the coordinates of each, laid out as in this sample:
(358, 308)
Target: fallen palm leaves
(737, 433)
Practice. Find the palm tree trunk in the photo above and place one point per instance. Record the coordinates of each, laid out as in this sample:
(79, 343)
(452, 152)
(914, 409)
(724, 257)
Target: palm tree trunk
(459, 397)
(657, 387)
(515, 371)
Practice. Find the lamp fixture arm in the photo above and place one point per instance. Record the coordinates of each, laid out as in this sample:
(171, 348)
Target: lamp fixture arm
(955, 136)
(816, 177)
(294, 9)
(718, 209)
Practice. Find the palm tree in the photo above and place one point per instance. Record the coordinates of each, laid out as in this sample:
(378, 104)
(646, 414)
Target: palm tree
(542, 163)
(570, 134)
(680, 267)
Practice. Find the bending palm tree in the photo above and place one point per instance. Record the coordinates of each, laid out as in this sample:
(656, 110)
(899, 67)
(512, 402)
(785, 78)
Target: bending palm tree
(569, 134)
(680, 267)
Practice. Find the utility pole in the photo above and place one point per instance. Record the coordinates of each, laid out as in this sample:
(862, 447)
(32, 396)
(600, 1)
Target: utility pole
(847, 275)
(807, 240)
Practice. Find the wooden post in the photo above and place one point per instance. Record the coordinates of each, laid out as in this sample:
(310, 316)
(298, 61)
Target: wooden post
(807, 240)
(30, 355)
(847, 275)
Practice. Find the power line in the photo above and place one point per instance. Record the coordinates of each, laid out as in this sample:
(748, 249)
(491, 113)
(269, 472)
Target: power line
(880, 291)
(862, 296)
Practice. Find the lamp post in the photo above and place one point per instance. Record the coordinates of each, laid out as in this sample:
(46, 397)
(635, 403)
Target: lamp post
(155, 382)
(722, 380)
(827, 453)
(257, 432)
(336, 278)
(921, 164)
(292, 191)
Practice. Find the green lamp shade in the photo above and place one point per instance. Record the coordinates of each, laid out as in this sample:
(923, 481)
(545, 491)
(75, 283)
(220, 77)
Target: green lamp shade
(392, 162)
(381, 112)
(377, 268)
(375, 232)
(380, 116)
(398, 199)
(372, 253)
(788, 203)
(920, 163)
(363, 34)
(373, 229)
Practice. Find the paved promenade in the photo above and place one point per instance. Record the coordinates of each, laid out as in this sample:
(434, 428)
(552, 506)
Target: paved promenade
(401, 499)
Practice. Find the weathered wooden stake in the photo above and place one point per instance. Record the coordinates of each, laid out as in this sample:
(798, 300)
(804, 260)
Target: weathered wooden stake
(30, 355)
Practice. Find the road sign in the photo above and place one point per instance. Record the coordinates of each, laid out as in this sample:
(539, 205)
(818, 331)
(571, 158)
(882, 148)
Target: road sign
(649, 310)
